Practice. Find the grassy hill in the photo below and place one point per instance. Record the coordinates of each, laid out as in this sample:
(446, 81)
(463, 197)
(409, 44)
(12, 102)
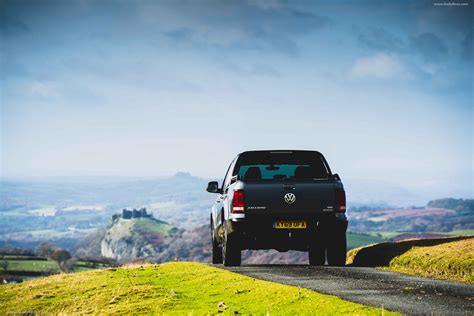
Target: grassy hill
(452, 261)
(136, 238)
(172, 288)
(123, 227)
(441, 258)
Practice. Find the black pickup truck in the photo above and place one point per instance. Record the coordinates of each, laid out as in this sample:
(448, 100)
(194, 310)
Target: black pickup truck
(279, 199)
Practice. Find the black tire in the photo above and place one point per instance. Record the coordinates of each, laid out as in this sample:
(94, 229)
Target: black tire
(317, 248)
(317, 254)
(336, 251)
(216, 248)
(231, 253)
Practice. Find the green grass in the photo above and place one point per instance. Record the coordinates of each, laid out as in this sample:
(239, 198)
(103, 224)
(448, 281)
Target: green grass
(355, 240)
(450, 261)
(82, 268)
(171, 289)
(19, 257)
(124, 227)
(82, 265)
(32, 265)
(46, 266)
(150, 225)
(448, 258)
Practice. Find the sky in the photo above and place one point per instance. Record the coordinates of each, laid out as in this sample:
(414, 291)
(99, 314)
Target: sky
(384, 89)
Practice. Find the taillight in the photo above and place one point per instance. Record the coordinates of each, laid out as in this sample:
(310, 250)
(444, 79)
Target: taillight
(340, 201)
(238, 202)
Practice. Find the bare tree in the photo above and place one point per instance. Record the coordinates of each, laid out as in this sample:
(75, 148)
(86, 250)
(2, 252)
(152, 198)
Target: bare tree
(68, 265)
(46, 249)
(61, 256)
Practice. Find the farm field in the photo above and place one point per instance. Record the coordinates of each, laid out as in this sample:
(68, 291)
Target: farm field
(355, 240)
(24, 267)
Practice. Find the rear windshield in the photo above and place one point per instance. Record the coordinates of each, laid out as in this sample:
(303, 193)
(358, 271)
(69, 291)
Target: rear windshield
(281, 166)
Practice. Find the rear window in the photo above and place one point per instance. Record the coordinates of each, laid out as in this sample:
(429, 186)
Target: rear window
(281, 166)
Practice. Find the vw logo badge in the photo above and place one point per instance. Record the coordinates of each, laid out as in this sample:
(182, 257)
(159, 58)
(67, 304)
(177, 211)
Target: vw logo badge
(290, 198)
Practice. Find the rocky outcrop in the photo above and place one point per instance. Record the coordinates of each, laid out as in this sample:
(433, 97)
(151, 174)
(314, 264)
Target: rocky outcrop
(126, 240)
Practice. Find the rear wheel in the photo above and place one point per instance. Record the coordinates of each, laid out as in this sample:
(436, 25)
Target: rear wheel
(231, 253)
(317, 255)
(317, 251)
(336, 251)
(216, 248)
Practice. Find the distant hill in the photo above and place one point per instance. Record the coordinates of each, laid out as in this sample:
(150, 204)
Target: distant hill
(73, 213)
(442, 215)
(65, 210)
(128, 239)
(459, 205)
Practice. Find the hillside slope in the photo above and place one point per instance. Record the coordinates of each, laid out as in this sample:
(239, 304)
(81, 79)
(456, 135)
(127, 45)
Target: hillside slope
(452, 261)
(440, 258)
(137, 238)
(171, 288)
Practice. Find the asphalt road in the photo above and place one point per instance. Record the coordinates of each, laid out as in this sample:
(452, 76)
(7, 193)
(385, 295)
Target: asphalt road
(369, 286)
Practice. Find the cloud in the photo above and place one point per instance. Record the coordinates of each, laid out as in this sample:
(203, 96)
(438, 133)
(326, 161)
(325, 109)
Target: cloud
(380, 66)
(429, 46)
(265, 71)
(266, 4)
(246, 69)
(441, 19)
(381, 40)
(14, 69)
(43, 89)
(466, 47)
(179, 34)
(257, 25)
(10, 25)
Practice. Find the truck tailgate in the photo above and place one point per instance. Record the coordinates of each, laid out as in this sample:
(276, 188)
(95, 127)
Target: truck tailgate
(315, 196)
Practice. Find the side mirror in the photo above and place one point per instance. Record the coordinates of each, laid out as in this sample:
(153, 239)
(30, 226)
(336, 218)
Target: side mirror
(336, 177)
(213, 187)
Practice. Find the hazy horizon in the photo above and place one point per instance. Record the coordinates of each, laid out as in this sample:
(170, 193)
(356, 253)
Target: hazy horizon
(150, 88)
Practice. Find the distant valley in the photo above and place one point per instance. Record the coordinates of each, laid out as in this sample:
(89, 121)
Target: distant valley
(77, 215)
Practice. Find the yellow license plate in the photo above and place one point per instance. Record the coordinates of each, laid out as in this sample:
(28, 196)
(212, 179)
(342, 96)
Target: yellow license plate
(289, 224)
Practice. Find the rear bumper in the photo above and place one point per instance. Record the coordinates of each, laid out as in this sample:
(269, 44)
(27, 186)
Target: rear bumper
(257, 232)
